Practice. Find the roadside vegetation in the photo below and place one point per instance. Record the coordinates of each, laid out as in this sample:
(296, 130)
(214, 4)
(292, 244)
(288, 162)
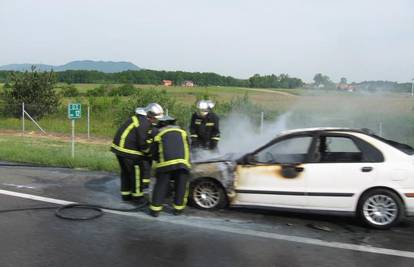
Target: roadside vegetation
(48, 152)
(389, 113)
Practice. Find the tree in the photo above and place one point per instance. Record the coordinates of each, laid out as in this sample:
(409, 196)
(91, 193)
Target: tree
(70, 91)
(318, 79)
(123, 90)
(35, 90)
(343, 80)
(321, 79)
(274, 81)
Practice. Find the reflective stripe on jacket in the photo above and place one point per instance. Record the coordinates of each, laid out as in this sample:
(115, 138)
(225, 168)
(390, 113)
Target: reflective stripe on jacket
(205, 128)
(131, 139)
(171, 150)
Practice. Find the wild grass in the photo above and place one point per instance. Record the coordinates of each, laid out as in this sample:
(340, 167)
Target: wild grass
(57, 153)
(390, 114)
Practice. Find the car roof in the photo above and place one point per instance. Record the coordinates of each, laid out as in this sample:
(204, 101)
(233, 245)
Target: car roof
(325, 129)
(400, 146)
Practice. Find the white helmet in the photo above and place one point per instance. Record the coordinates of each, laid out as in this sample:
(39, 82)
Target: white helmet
(211, 104)
(166, 120)
(202, 107)
(140, 111)
(154, 110)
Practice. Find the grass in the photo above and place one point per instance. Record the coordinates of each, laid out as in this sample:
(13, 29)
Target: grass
(59, 123)
(102, 121)
(57, 153)
(329, 107)
(188, 95)
(393, 111)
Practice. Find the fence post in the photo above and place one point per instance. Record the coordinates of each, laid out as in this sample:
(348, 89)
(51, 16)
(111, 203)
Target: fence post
(73, 138)
(38, 126)
(380, 129)
(261, 122)
(89, 123)
(23, 118)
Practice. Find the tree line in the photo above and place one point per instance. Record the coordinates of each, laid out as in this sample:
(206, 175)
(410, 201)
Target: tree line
(37, 90)
(209, 79)
(178, 77)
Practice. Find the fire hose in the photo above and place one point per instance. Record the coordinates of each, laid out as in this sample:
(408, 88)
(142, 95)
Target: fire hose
(60, 210)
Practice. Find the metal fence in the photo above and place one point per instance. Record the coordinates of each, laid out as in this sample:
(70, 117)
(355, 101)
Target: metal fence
(92, 123)
(100, 123)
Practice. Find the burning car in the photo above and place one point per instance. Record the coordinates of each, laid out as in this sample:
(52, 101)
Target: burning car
(328, 170)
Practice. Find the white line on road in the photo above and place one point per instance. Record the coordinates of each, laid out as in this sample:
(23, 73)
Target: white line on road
(227, 229)
(33, 197)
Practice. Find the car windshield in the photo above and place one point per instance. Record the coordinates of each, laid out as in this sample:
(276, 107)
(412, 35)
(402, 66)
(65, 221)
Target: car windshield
(291, 150)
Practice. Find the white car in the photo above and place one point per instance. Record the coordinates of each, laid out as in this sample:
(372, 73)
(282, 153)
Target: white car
(328, 170)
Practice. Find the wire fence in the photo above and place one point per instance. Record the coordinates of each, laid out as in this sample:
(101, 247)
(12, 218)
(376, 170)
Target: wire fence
(100, 121)
(92, 122)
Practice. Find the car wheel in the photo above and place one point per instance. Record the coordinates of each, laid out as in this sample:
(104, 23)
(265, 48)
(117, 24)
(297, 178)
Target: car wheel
(207, 194)
(380, 209)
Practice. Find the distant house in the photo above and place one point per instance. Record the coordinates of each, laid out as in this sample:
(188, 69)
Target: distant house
(188, 84)
(167, 82)
(346, 87)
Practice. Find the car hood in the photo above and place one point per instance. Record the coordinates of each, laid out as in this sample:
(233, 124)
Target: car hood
(219, 158)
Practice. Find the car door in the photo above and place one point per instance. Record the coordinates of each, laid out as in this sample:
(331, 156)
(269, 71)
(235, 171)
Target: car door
(343, 166)
(275, 174)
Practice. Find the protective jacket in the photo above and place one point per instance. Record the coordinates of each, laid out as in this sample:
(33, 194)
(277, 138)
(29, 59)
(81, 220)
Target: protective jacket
(205, 131)
(170, 149)
(132, 139)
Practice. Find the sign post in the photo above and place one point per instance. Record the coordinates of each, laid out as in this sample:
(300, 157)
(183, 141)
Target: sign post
(74, 113)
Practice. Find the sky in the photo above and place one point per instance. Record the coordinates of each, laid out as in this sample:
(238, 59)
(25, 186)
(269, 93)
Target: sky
(357, 39)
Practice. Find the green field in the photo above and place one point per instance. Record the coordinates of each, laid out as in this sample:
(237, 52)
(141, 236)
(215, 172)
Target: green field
(389, 114)
(308, 107)
(104, 109)
(188, 95)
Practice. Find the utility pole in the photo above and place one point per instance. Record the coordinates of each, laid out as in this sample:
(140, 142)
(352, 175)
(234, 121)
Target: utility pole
(412, 87)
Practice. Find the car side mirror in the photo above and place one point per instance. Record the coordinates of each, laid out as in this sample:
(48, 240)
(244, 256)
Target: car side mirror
(291, 170)
(247, 159)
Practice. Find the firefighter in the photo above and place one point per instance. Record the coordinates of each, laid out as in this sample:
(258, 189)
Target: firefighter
(131, 147)
(171, 154)
(144, 166)
(204, 127)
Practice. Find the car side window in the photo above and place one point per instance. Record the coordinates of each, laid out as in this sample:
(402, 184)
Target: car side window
(339, 149)
(292, 150)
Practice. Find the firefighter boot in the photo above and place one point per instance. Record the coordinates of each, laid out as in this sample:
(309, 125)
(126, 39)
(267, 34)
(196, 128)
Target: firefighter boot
(154, 213)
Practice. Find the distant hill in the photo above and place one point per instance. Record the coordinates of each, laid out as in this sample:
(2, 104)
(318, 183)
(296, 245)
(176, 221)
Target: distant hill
(102, 66)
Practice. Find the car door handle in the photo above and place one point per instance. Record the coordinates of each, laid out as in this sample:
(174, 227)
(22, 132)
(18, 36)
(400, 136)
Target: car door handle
(366, 169)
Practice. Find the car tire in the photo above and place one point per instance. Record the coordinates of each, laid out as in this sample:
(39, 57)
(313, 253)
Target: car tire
(380, 209)
(207, 194)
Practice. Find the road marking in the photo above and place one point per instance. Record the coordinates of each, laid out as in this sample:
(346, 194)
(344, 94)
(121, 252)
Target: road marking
(33, 197)
(185, 222)
(20, 186)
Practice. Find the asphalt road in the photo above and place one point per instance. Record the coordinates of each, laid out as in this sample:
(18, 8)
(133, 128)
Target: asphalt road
(198, 238)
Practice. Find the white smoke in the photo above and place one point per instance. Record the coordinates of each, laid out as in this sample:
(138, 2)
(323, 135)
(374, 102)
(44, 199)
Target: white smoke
(240, 134)
(383, 114)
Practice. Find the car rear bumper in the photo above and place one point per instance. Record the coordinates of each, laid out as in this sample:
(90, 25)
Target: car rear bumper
(409, 205)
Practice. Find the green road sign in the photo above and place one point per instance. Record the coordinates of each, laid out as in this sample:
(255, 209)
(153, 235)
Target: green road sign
(74, 111)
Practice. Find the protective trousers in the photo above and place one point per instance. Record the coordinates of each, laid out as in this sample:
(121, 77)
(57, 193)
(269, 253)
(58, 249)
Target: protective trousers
(180, 178)
(145, 172)
(131, 178)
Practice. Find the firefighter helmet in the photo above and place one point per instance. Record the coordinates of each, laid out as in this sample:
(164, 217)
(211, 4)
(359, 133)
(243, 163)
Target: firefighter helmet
(154, 110)
(202, 107)
(140, 111)
(211, 104)
(166, 120)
